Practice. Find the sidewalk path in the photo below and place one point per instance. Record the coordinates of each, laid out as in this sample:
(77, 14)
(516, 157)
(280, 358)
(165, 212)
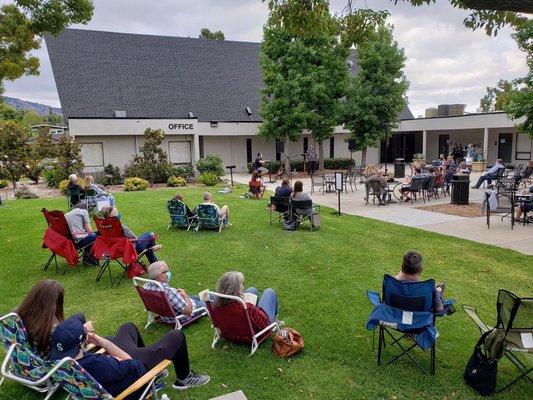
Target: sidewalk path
(500, 234)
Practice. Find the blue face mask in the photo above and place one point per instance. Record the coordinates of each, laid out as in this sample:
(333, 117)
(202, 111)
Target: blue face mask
(169, 275)
(118, 215)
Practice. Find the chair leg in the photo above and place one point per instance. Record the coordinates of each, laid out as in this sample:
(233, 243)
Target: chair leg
(380, 344)
(433, 355)
(49, 261)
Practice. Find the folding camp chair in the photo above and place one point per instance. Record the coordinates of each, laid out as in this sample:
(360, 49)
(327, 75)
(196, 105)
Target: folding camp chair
(77, 382)
(208, 217)
(373, 189)
(406, 308)
(178, 215)
(305, 212)
(58, 224)
(234, 321)
(279, 208)
(17, 364)
(91, 198)
(157, 305)
(74, 196)
(513, 332)
(505, 205)
(112, 244)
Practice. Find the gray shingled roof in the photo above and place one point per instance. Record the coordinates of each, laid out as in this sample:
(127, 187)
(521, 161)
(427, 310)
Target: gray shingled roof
(98, 73)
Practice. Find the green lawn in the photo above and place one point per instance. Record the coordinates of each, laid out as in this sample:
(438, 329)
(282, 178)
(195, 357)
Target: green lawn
(320, 277)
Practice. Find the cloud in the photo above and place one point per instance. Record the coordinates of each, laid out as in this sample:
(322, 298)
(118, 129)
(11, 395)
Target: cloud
(446, 62)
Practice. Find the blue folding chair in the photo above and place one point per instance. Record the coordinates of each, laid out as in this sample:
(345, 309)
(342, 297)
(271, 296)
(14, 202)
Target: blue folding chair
(408, 309)
(208, 218)
(178, 215)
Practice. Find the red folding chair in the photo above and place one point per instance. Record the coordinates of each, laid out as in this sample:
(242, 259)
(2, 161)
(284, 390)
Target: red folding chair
(113, 245)
(234, 321)
(157, 305)
(59, 240)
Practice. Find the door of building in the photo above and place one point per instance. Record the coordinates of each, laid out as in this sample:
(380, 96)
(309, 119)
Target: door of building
(505, 147)
(444, 145)
(401, 145)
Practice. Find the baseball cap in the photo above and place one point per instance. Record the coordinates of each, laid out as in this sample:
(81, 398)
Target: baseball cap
(66, 338)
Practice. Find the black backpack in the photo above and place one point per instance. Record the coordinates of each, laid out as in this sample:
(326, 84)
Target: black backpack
(481, 371)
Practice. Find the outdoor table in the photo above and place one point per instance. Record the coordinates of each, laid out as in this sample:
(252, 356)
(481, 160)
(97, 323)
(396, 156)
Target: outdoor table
(393, 191)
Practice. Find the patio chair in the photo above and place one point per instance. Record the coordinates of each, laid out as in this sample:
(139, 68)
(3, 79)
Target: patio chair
(305, 212)
(373, 188)
(234, 321)
(158, 307)
(504, 205)
(59, 241)
(208, 218)
(17, 364)
(349, 179)
(439, 185)
(279, 209)
(513, 334)
(416, 186)
(113, 245)
(319, 181)
(178, 215)
(428, 187)
(77, 382)
(408, 309)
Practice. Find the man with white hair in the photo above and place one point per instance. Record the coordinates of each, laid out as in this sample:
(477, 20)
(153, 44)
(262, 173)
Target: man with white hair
(222, 212)
(76, 192)
(182, 303)
(100, 194)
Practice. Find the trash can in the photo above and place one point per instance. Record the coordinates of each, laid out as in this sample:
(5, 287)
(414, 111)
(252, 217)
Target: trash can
(399, 168)
(460, 189)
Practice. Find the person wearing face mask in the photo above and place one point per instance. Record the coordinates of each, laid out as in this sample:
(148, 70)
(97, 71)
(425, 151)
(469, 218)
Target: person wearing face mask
(142, 243)
(181, 302)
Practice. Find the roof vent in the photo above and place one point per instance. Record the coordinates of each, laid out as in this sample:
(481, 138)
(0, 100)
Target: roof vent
(120, 114)
(190, 114)
(249, 111)
(349, 63)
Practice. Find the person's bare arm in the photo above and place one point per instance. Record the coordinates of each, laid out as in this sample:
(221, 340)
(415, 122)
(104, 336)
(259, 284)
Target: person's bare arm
(187, 310)
(110, 348)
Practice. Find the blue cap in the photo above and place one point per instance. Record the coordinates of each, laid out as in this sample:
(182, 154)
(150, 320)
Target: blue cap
(66, 338)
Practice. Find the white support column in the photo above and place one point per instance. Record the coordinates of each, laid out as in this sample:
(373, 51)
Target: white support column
(195, 149)
(424, 143)
(485, 144)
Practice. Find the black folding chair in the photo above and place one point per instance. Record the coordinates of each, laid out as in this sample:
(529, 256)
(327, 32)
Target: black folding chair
(305, 212)
(279, 209)
(513, 334)
(506, 206)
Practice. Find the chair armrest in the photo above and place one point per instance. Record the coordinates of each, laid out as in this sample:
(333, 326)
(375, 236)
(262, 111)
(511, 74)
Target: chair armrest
(472, 313)
(267, 329)
(194, 313)
(143, 380)
(373, 297)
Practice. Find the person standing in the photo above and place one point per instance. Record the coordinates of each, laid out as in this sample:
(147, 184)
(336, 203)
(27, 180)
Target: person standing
(469, 158)
(312, 160)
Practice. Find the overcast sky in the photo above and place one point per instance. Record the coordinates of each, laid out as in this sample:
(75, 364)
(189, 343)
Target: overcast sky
(446, 63)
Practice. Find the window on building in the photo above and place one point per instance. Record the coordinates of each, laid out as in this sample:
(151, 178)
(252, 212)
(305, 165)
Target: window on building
(523, 146)
(306, 144)
(332, 147)
(248, 150)
(179, 152)
(92, 154)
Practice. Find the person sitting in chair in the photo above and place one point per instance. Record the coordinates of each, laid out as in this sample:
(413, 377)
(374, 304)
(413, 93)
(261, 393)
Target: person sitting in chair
(126, 358)
(525, 208)
(284, 190)
(179, 300)
(73, 187)
(255, 186)
(411, 271)
(259, 164)
(190, 213)
(261, 315)
(490, 174)
(405, 189)
(101, 194)
(222, 212)
(80, 228)
(144, 242)
(377, 176)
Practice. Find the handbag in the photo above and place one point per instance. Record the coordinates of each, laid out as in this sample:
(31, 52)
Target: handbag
(481, 371)
(287, 342)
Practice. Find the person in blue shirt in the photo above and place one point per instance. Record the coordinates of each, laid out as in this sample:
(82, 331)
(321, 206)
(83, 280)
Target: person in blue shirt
(490, 174)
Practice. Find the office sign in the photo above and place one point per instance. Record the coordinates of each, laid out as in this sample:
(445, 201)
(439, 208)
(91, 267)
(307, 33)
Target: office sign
(180, 126)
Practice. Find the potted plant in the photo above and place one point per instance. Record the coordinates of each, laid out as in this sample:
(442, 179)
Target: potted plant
(478, 165)
(419, 159)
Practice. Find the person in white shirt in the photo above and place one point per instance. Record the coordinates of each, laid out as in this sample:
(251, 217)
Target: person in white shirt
(490, 174)
(80, 228)
(223, 212)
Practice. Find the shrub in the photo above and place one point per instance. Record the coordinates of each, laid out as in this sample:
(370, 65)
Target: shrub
(418, 156)
(186, 171)
(338, 163)
(175, 181)
(111, 176)
(34, 170)
(298, 165)
(212, 164)
(209, 179)
(64, 184)
(3, 183)
(53, 177)
(25, 193)
(135, 184)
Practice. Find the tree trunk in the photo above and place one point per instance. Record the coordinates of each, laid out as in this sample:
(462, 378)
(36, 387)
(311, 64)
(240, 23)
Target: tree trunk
(14, 182)
(286, 155)
(499, 5)
(321, 156)
(363, 157)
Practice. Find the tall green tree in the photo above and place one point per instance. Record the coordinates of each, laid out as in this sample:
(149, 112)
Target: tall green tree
(206, 33)
(497, 96)
(14, 149)
(376, 95)
(24, 22)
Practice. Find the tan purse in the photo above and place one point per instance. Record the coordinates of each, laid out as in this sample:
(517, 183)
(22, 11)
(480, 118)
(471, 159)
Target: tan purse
(287, 342)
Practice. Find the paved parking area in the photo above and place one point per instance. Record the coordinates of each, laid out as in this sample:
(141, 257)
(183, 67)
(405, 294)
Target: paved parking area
(500, 234)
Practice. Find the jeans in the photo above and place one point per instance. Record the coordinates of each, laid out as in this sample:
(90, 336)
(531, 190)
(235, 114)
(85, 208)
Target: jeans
(87, 241)
(172, 346)
(483, 178)
(268, 302)
(145, 241)
(197, 302)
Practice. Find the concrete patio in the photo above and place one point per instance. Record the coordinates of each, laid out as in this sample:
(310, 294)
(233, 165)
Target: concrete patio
(500, 234)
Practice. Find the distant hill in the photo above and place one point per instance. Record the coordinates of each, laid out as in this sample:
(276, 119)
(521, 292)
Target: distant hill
(41, 109)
